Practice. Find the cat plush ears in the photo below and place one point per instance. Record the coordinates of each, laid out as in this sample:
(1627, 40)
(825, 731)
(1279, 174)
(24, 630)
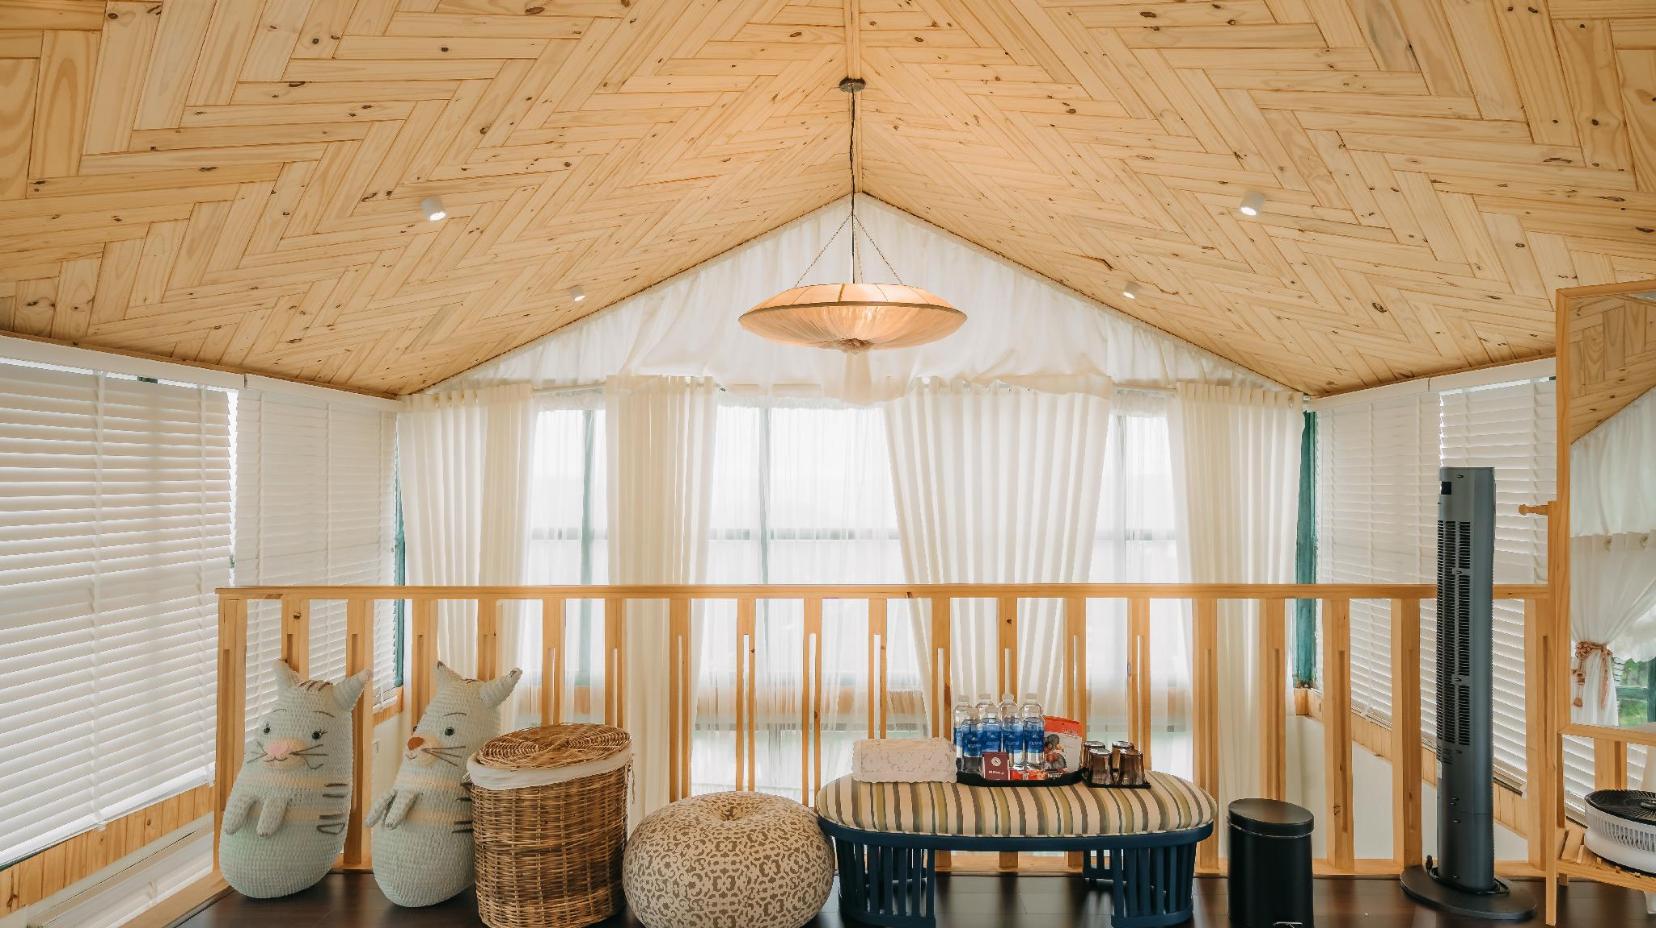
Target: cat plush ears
(346, 692)
(494, 692)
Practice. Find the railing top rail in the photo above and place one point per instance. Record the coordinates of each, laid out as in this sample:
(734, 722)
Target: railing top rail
(886, 591)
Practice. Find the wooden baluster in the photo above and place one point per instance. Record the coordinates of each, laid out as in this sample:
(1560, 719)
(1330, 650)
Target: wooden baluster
(615, 642)
(810, 704)
(942, 690)
(1539, 784)
(877, 667)
(553, 613)
(1405, 732)
(679, 694)
(359, 656)
(422, 655)
(1138, 675)
(1609, 764)
(942, 664)
(745, 630)
(1337, 731)
(230, 731)
(1204, 676)
(1075, 677)
(1006, 624)
(1273, 721)
(296, 634)
(488, 637)
(1075, 660)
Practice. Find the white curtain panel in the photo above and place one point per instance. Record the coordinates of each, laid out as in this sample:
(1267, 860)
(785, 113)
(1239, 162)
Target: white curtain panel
(661, 434)
(1237, 452)
(1612, 615)
(1021, 327)
(1613, 473)
(801, 494)
(996, 484)
(466, 462)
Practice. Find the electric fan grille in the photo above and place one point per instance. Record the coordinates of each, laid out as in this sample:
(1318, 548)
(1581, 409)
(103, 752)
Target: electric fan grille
(1635, 805)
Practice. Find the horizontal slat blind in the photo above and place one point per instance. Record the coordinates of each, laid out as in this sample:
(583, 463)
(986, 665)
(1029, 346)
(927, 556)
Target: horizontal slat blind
(314, 505)
(1377, 513)
(1376, 498)
(1512, 428)
(115, 528)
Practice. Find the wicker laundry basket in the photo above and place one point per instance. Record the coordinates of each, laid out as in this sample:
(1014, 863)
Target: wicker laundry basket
(549, 810)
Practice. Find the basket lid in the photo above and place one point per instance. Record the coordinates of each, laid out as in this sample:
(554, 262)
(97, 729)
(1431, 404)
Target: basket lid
(1635, 805)
(549, 754)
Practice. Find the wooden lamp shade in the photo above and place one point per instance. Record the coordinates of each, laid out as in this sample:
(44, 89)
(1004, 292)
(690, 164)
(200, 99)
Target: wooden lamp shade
(854, 317)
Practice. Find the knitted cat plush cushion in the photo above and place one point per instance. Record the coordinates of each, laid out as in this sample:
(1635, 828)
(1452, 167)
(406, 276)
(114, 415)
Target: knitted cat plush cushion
(423, 826)
(285, 821)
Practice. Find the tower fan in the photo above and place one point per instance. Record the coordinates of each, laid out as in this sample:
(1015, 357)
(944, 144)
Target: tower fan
(1462, 879)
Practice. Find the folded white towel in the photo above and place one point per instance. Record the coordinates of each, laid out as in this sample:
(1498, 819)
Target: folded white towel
(903, 760)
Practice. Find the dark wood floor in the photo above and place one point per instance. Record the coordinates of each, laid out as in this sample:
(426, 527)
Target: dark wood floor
(353, 901)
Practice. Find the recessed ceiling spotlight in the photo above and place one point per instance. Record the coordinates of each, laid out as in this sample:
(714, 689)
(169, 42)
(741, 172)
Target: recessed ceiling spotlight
(1252, 202)
(576, 294)
(1130, 291)
(433, 209)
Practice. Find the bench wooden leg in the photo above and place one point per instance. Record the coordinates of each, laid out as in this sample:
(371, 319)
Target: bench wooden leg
(887, 885)
(1151, 885)
(890, 879)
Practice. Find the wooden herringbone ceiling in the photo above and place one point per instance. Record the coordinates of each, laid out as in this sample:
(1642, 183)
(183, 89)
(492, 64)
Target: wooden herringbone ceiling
(237, 183)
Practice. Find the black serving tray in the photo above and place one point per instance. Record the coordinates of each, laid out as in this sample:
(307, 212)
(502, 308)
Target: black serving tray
(973, 779)
(1067, 779)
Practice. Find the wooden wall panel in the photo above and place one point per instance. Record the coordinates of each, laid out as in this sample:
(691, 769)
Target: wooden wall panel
(1612, 356)
(247, 174)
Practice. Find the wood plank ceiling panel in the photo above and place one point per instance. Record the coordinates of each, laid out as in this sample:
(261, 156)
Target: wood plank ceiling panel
(1432, 170)
(237, 182)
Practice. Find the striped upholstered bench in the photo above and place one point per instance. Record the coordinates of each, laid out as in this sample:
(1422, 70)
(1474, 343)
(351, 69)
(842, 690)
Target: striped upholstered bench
(1141, 841)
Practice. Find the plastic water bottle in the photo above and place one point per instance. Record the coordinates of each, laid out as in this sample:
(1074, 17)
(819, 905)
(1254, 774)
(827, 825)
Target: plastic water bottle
(988, 725)
(963, 731)
(1011, 740)
(1032, 731)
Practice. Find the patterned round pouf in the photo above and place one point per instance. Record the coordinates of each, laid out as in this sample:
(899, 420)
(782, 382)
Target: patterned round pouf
(745, 860)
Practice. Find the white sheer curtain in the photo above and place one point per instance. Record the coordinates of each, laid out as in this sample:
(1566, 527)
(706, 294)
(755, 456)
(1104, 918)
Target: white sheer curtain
(1021, 327)
(996, 483)
(1237, 454)
(1612, 615)
(1137, 542)
(1612, 554)
(466, 465)
(1613, 473)
(661, 433)
(569, 542)
(801, 494)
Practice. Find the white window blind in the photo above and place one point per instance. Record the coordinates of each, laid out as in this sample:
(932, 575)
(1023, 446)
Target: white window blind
(1376, 514)
(1512, 428)
(115, 529)
(315, 505)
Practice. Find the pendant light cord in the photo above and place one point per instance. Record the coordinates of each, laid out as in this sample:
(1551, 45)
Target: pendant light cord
(851, 154)
(851, 158)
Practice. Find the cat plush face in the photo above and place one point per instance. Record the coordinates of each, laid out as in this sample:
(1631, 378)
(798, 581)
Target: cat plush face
(309, 728)
(462, 715)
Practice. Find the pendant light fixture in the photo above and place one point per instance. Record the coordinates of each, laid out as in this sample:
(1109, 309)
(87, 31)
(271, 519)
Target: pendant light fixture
(853, 316)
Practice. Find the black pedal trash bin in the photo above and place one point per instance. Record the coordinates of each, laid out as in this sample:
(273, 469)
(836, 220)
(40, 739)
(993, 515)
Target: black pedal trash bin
(1270, 864)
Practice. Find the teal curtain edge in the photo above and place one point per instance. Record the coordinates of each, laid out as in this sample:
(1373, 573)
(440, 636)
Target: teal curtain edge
(1305, 557)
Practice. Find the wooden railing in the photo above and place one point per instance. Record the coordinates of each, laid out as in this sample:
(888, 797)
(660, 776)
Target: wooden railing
(1336, 820)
